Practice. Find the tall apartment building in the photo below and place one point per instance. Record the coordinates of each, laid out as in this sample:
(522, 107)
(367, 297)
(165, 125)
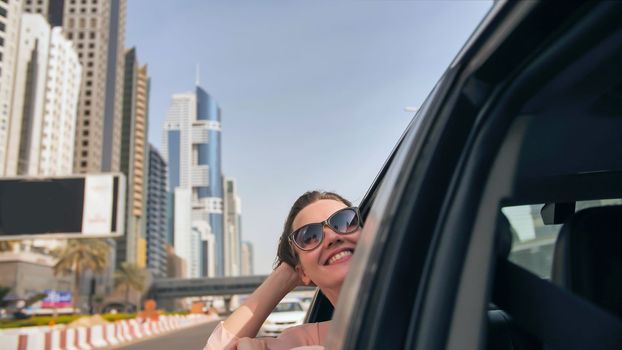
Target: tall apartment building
(187, 240)
(46, 85)
(247, 259)
(132, 247)
(157, 214)
(233, 229)
(10, 22)
(28, 95)
(193, 153)
(97, 27)
(60, 111)
(38, 128)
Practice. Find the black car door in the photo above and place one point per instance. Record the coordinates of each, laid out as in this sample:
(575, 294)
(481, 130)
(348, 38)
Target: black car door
(420, 276)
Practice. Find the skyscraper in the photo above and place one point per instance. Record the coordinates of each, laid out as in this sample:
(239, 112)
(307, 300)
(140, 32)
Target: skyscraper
(187, 240)
(156, 214)
(98, 30)
(132, 247)
(247, 259)
(10, 21)
(192, 143)
(233, 229)
(40, 111)
(61, 106)
(28, 96)
(41, 128)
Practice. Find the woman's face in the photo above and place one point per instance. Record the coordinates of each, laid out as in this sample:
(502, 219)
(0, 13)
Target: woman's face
(326, 265)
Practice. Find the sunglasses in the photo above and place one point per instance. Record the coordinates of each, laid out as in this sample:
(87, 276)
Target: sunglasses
(343, 222)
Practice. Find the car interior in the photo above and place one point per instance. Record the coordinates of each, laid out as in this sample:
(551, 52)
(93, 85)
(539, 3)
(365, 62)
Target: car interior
(557, 280)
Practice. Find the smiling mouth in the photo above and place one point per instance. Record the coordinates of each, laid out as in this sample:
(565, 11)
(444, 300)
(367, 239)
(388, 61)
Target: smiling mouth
(339, 256)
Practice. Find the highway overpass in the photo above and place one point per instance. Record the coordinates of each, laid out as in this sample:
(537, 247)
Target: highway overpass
(170, 288)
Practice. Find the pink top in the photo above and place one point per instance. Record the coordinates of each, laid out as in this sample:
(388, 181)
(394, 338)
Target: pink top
(307, 336)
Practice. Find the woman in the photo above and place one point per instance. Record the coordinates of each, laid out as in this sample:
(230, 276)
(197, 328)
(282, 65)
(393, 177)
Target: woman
(319, 237)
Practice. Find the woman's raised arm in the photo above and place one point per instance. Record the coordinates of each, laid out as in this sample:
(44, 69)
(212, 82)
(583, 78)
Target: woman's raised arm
(246, 320)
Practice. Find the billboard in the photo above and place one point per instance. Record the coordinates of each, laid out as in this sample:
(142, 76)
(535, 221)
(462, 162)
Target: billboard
(77, 206)
(56, 299)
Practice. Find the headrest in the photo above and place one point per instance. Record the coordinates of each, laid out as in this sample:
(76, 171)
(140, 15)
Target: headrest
(588, 256)
(503, 239)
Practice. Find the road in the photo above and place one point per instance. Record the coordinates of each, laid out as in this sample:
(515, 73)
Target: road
(184, 339)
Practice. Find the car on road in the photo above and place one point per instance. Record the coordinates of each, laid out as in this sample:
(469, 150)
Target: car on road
(496, 221)
(288, 313)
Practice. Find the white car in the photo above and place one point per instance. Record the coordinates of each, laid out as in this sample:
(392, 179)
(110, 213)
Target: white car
(288, 313)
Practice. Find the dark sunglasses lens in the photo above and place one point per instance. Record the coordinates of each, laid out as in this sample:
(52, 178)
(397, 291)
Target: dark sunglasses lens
(308, 237)
(345, 221)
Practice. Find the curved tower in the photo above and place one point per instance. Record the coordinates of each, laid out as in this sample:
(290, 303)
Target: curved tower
(192, 146)
(208, 154)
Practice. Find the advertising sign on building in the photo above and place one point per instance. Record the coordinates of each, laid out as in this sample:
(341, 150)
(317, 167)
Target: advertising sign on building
(98, 200)
(56, 299)
(75, 206)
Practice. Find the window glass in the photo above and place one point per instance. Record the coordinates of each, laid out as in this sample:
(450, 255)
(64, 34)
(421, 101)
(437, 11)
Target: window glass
(287, 307)
(533, 242)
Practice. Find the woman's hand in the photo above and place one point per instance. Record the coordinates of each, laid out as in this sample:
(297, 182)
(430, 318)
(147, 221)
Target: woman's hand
(289, 274)
(296, 275)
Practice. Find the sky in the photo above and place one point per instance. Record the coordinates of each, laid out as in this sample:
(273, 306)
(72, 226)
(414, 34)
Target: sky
(313, 93)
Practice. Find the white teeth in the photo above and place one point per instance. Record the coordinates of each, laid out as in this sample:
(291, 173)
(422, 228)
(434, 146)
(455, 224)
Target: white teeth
(339, 256)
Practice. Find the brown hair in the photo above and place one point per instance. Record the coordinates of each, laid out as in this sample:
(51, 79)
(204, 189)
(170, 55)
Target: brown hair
(285, 252)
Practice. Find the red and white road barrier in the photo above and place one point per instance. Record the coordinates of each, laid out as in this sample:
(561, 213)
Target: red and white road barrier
(124, 331)
(112, 334)
(82, 339)
(94, 337)
(97, 337)
(135, 328)
(71, 339)
(56, 339)
(10, 341)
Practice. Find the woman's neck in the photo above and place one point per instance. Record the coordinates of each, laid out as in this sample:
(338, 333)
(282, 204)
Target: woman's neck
(332, 295)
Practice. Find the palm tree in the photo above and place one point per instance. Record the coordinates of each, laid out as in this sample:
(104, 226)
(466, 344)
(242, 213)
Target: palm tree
(129, 276)
(79, 255)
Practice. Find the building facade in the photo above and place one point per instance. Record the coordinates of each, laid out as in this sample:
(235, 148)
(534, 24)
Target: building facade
(193, 152)
(61, 106)
(233, 229)
(247, 259)
(28, 96)
(157, 224)
(41, 128)
(186, 241)
(97, 29)
(132, 247)
(29, 273)
(10, 20)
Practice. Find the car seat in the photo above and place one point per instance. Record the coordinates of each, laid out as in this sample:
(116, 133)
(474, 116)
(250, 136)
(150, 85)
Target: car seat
(588, 257)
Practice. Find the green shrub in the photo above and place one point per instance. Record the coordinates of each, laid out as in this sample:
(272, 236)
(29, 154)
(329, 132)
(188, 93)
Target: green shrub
(61, 319)
(118, 316)
(39, 321)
